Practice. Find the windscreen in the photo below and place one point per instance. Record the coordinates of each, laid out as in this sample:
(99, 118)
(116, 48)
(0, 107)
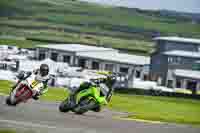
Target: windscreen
(104, 89)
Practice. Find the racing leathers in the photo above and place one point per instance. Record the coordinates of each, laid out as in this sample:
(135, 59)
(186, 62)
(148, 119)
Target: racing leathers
(44, 79)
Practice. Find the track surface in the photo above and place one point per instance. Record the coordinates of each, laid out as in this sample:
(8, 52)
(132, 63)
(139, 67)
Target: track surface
(44, 117)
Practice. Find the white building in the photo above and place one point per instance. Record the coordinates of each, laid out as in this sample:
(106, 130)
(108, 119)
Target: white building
(6, 50)
(97, 58)
(55, 67)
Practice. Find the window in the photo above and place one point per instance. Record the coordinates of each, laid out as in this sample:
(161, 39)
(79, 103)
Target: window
(41, 56)
(196, 67)
(81, 63)
(192, 85)
(66, 58)
(178, 60)
(145, 78)
(169, 45)
(170, 84)
(178, 83)
(157, 62)
(109, 67)
(169, 59)
(198, 48)
(124, 70)
(54, 56)
(95, 65)
(174, 60)
(138, 73)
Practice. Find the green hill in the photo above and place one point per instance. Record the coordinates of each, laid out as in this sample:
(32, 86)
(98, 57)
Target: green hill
(67, 21)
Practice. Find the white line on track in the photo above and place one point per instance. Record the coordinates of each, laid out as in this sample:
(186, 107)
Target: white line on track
(29, 124)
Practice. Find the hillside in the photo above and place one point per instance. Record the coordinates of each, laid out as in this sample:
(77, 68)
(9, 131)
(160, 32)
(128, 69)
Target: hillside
(66, 21)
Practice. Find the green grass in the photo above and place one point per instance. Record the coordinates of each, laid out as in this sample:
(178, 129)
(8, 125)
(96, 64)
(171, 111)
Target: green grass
(176, 110)
(54, 94)
(165, 109)
(20, 43)
(88, 14)
(52, 35)
(111, 26)
(132, 45)
(7, 131)
(5, 86)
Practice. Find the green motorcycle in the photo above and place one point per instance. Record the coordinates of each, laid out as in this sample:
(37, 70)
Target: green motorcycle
(89, 96)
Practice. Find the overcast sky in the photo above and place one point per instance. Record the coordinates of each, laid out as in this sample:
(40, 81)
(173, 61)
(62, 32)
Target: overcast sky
(177, 5)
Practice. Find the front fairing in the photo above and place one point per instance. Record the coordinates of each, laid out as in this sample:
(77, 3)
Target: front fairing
(31, 83)
(94, 93)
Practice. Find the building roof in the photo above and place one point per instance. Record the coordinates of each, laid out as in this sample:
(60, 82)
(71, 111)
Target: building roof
(100, 53)
(29, 65)
(117, 57)
(75, 47)
(17, 57)
(182, 53)
(179, 39)
(187, 73)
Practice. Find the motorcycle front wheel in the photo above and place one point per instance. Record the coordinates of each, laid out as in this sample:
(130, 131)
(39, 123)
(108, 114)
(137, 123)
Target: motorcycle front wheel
(8, 102)
(65, 106)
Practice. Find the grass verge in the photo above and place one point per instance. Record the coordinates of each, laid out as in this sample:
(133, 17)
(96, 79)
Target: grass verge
(7, 131)
(176, 110)
(54, 94)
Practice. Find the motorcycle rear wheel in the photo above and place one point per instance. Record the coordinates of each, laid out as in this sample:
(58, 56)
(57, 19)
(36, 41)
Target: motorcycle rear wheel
(84, 106)
(97, 109)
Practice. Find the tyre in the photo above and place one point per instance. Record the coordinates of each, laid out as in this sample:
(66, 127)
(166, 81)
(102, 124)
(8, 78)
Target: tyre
(8, 102)
(84, 106)
(64, 106)
(97, 109)
(78, 110)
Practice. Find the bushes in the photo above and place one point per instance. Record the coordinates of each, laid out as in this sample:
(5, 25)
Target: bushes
(152, 92)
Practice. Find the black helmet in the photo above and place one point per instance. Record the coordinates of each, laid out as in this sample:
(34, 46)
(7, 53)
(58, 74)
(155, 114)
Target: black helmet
(44, 69)
(111, 80)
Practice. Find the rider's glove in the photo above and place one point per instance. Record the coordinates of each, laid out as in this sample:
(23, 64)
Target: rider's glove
(36, 96)
(40, 92)
(21, 75)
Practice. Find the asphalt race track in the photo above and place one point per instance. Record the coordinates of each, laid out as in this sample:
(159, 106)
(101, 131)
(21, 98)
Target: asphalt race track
(44, 117)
